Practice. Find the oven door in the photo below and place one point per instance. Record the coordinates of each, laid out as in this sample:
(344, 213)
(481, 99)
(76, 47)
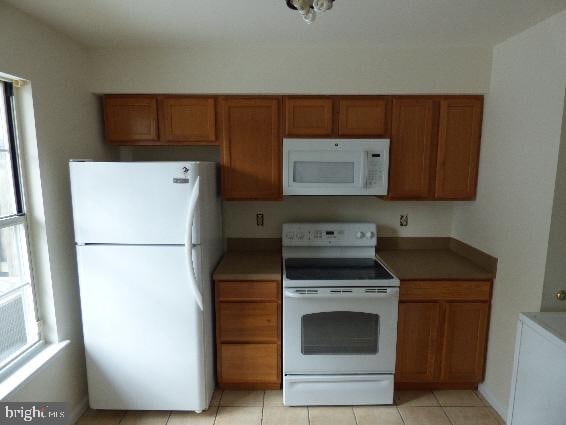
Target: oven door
(339, 330)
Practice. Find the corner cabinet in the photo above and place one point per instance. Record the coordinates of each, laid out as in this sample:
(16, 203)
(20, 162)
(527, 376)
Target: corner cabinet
(442, 334)
(458, 147)
(412, 157)
(251, 148)
(248, 334)
(435, 144)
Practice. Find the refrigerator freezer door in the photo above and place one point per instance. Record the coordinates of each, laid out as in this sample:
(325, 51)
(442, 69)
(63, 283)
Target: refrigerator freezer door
(143, 330)
(144, 203)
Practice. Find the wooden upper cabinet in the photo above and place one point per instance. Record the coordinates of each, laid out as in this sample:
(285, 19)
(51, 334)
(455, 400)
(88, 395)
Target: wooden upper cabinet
(251, 148)
(412, 146)
(417, 342)
(465, 339)
(362, 117)
(307, 117)
(130, 119)
(191, 120)
(458, 147)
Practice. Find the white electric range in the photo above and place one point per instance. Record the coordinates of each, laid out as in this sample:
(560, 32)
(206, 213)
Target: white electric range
(339, 316)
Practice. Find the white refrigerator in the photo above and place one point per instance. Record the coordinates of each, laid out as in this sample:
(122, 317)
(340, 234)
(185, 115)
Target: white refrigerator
(148, 236)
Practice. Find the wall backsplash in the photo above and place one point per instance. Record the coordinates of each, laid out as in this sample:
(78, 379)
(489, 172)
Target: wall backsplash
(425, 218)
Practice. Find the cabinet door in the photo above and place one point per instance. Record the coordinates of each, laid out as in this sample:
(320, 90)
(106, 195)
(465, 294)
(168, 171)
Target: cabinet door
(464, 342)
(417, 342)
(412, 148)
(308, 116)
(251, 149)
(363, 117)
(188, 119)
(130, 119)
(458, 147)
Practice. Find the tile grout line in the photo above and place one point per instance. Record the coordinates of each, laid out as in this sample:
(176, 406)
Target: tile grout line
(262, 406)
(400, 415)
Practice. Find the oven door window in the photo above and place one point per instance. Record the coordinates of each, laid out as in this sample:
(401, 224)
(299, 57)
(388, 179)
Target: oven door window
(339, 332)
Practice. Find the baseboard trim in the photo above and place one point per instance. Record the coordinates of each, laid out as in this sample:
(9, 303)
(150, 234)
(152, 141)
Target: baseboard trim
(78, 410)
(492, 401)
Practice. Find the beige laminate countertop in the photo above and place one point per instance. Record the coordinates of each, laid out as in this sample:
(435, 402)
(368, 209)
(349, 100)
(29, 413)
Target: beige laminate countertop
(249, 265)
(432, 264)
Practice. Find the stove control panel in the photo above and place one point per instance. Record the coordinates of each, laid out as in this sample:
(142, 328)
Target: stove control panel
(329, 234)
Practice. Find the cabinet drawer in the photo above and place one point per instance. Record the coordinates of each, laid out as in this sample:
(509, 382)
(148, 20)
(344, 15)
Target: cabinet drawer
(445, 291)
(249, 322)
(247, 291)
(248, 363)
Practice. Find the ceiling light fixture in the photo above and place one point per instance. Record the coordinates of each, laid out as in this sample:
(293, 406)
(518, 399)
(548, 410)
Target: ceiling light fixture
(309, 8)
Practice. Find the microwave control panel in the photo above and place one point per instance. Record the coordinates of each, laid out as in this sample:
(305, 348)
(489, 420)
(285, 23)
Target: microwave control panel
(375, 161)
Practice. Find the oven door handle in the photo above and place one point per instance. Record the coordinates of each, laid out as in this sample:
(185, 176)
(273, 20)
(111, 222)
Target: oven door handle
(391, 293)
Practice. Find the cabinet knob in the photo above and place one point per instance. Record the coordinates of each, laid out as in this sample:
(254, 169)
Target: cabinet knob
(560, 295)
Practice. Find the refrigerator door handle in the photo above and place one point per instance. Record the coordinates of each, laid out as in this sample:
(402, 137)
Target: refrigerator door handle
(193, 200)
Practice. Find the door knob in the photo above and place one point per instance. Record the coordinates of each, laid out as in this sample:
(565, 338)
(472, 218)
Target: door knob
(560, 295)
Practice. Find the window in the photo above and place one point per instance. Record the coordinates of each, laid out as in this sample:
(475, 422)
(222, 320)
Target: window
(19, 329)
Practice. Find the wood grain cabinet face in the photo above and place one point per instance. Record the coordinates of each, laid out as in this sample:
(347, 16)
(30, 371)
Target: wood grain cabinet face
(188, 119)
(248, 322)
(417, 342)
(308, 117)
(442, 334)
(251, 149)
(248, 334)
(130, 119)
(411, 149)
(458, 147)
(249, 365)
(363, 117)
(465, 337)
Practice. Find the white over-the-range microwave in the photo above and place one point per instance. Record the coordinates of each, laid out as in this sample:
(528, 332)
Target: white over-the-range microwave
(335, 166)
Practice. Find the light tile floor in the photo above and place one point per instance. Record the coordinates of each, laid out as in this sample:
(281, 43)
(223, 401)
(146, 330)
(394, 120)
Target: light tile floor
(449, 407)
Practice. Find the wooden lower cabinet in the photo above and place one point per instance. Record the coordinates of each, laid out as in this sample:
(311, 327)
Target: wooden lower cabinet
(417, 354)
(442, 335)
(248, 334)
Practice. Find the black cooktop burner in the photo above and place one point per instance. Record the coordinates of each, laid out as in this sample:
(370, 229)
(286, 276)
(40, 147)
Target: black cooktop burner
(335, 269)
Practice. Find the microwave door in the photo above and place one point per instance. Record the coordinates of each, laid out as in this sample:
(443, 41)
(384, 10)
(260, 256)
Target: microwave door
(324, 172)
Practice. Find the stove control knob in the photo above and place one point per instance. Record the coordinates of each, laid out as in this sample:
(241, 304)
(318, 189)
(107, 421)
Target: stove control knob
(370, 235)
(290, 235)
(360, 235)
(300, 235)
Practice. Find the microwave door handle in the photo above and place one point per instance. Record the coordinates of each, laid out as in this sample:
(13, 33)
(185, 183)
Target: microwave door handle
(364, 170)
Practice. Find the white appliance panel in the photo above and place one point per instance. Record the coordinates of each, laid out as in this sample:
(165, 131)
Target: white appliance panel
(143, 330)
(339, 304)
(335, 166)
(336, 390)
(538, 388)
(132, 203)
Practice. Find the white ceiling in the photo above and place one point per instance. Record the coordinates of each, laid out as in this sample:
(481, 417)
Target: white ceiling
(389, 23)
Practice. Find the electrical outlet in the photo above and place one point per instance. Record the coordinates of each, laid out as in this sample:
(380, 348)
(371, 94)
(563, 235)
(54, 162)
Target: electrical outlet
(404, 220)
(259, 219)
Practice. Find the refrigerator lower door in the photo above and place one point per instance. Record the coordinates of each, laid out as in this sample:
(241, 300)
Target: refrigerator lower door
(143, 330)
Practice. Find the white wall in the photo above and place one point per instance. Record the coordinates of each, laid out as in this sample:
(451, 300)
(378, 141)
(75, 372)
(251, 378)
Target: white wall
(555, 272)
(67, 125)
(511, 217)
(425, 218)
(244, 69)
